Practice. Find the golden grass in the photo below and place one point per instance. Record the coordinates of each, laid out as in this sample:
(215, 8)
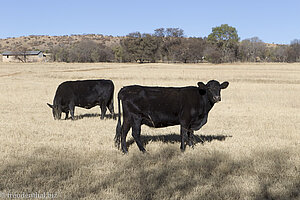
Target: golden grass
(260, 111)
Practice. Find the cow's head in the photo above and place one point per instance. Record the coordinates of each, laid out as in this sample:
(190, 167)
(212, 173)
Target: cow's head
(213, 89)
(56, 111)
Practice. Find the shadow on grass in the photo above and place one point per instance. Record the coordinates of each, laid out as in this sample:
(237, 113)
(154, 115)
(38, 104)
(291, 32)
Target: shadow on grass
(175, 138)
(44, 171)
(93, 115)
(164, 174)
(169, 174)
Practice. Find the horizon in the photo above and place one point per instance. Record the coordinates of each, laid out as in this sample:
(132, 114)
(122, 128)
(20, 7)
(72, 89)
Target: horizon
(273, 22)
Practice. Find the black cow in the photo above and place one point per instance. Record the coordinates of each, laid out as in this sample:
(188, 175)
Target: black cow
(166, 106)
(85, 94)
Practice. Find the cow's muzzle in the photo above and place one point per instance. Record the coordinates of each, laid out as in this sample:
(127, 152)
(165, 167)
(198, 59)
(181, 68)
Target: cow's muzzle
(217, 98)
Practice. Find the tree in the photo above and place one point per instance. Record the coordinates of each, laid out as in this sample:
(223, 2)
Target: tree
(140, 47)
(212, 53)
(170, 48)
(293, 52)
(168, 32)
(169, 41)
(83, 51)
(160, 32)
(226, 39)
(252, 50)
(279, 53)
(90, 51)
(60, 54)
(21, 53)
(196, 49)
(223, 34)
(191, 50)
(150, 46)
(119, 54)
(174, 32)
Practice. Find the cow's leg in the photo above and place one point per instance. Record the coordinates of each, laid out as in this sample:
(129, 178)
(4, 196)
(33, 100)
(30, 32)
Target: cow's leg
(124, 132)
(67, 114)
(191, 138)
(111, 108)
(103, 109)
(183, 134)
(72, 109)
(136, 133)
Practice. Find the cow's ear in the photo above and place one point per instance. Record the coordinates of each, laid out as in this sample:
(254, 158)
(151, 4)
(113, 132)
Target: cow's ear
(51, 106)
(224, 85)
(201, 85)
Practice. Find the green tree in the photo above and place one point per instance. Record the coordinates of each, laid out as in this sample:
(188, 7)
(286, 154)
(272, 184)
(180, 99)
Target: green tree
(226, 39)
(150, 45)
(119, 54)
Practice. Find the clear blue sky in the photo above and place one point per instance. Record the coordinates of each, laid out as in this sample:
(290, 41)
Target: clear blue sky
(270, 20)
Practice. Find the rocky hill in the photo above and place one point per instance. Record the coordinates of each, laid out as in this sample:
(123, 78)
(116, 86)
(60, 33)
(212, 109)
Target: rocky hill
(46, 43)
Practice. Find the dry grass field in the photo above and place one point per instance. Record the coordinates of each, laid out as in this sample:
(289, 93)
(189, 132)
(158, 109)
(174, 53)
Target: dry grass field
(251, 146)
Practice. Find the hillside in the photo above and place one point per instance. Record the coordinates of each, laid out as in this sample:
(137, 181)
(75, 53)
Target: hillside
(149, 48)
(46, 43)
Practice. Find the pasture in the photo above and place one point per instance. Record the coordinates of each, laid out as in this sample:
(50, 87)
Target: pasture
(250, 148)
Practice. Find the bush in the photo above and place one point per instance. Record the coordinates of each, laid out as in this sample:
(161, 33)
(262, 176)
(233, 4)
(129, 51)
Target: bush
(84, 51)
(213, 54)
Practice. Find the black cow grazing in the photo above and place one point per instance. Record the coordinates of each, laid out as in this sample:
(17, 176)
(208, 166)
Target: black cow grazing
(85, 94)
(166, 106)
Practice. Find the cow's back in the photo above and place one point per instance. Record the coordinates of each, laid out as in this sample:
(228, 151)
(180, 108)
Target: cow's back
(83, 91)
(159, 106)
(157, 95)
(150, 97)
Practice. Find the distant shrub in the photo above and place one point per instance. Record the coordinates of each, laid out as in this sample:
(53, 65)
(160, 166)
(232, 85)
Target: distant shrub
(84, 51)
(293, 52)
(213, 54)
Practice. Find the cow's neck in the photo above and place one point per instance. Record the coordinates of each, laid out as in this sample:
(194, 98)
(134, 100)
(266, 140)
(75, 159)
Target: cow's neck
(209, 105)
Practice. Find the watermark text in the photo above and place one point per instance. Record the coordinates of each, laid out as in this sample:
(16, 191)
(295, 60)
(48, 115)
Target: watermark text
(33, 195)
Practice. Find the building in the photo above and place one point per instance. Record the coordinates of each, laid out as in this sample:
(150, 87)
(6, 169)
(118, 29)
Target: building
(26, 56)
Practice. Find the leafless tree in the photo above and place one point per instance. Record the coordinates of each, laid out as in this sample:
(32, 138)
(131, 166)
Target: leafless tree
(252, 50)
(20, 53)
(294, 51)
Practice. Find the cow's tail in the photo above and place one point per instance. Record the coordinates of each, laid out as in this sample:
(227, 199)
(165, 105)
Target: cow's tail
(119, 127)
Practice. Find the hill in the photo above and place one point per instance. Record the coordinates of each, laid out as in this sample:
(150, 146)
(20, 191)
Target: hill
(46, 43)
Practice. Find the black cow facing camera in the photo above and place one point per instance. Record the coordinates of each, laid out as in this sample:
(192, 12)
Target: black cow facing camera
(165, 106)
(84, 94)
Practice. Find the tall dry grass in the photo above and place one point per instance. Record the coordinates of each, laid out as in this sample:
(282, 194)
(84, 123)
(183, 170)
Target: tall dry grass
(251, 141)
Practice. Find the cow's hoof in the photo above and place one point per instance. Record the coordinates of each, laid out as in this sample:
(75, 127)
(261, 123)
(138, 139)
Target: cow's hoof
(144, 151)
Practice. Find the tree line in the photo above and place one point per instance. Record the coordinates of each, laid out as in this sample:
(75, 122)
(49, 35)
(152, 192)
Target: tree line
(170, 45)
